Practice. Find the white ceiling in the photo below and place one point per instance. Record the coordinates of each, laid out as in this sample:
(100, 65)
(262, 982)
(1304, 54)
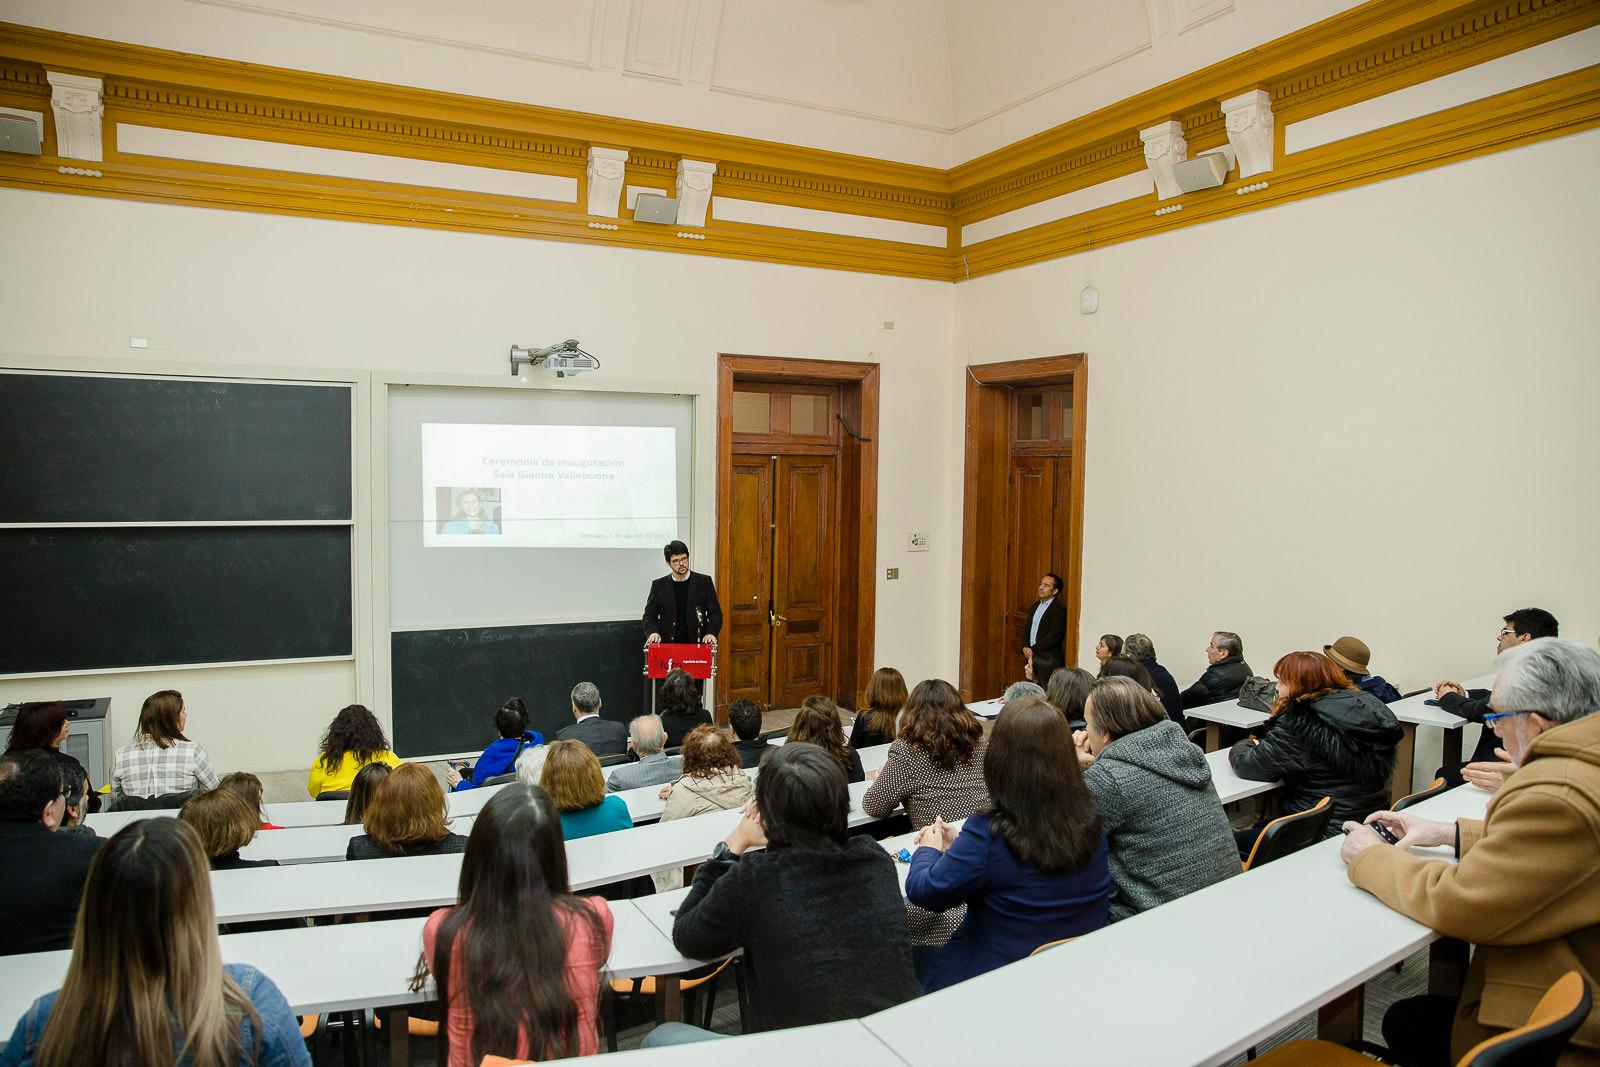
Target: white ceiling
(923, 81)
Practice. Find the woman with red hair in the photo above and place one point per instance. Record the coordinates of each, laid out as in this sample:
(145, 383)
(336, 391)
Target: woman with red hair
(1326, 738)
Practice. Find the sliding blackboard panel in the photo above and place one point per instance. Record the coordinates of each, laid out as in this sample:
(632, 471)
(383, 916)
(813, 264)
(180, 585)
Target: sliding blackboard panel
(95, 449)
(86, 599)
(448, 683)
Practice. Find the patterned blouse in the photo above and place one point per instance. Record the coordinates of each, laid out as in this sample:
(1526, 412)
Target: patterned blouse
(144, 770)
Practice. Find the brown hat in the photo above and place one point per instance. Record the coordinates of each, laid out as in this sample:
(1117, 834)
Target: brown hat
(1351, 653)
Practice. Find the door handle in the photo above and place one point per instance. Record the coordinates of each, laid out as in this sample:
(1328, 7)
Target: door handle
(774, 619)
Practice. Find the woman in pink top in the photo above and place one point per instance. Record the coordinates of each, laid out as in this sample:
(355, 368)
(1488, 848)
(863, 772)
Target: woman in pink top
(517, 961)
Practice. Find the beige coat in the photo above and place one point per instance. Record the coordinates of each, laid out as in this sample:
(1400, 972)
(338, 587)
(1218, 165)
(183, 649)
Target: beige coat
(1526, 891)
(726, 791)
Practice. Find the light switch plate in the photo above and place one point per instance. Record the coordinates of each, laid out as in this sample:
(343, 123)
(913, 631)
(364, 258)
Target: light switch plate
(916, 542)
(892, 573)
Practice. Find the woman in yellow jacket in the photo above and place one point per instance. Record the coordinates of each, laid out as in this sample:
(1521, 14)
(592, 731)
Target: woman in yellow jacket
(354, 739)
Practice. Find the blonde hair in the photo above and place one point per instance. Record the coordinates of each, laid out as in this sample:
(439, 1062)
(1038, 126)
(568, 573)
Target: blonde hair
(572, 776)
(223, 820)
(146, 983)
(406, 810)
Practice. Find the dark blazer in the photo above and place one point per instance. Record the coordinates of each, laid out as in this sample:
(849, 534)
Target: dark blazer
(750, 752)
(1221, 681)
(1473, 707)
(605, 737)
(41, 878)
(362, 847)
(678, 724)
(1166, 689)
(1050, 648)
(660, 609)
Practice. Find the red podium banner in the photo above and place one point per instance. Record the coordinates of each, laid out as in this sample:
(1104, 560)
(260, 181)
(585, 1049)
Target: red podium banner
(697, 660)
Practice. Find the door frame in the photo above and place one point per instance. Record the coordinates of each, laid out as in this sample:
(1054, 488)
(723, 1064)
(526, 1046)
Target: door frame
(985, 512)
(857, 595)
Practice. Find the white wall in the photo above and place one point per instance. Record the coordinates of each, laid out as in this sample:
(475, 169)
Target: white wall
(1371, 412)
(83, 275)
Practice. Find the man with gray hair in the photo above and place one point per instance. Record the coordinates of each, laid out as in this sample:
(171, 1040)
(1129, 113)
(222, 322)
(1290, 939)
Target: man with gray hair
(1226, 675)
(1021, 689)
(1526, 891)
(1141, 648)
(605, 737)
(647, 739)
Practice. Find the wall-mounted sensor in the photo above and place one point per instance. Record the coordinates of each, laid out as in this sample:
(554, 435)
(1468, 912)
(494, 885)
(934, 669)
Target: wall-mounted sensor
(1089, 300)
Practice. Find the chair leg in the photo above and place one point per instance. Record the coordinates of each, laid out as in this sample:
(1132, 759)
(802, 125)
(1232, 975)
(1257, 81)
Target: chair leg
(744, 996)
(608, 1012)
(711, 1001)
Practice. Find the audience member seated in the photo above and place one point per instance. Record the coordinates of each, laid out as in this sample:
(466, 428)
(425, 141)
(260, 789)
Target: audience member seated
(604, 737)
(1030, 867)
(146, 981)
(745, 717)
(1526, 891)
(511, 723)
(713, 780)
(647, 740)
(679, 708)
(362, 789)
(354, 739)
(407, 816)
(517, 961)
(41, 871)
(818, 723)
(1109, 645)
(1019, 690)
(1121, 666)
(225, 824)
(1164, 822)
(1326, 738)
(572, 777)
(1067, 691)
(75, 796)
(1224, 678)
(817, 912)
(161, 762)
(1141, 648)
(247, 787)
(43, 725)
(1352, 656)
(875, 723)
(1517, 628)
(935, 767)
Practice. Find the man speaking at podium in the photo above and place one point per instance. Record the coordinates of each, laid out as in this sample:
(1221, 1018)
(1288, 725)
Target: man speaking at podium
(683, 605)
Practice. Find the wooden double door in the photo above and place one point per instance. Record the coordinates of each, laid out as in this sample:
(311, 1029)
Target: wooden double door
(782, 590)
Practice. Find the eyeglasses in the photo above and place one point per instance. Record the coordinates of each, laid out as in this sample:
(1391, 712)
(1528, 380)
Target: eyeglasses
(1496, 716)
(1507, 632)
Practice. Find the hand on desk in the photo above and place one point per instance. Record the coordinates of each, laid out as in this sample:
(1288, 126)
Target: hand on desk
(452, 776)
(1414, 830)
(653, 639)
(666, 791)
(1442, 688)
(709, 639)
(1488, 775)
(936, 835)
(1358, 837)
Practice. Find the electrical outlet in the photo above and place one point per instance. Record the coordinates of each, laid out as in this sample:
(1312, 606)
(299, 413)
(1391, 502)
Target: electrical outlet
(892, 573)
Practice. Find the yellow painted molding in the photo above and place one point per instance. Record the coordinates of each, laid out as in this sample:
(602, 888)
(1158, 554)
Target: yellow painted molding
(1365, 52)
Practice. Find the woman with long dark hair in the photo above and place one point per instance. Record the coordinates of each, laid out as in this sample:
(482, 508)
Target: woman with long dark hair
(161, 761)
(362, 790)
(517, 961)
(1326, 738)
(42, 725)
(679, 707)
(1031, 866)
(146, 983)
(935, 767)
(354, 739)
(818, 723)
(880, 710)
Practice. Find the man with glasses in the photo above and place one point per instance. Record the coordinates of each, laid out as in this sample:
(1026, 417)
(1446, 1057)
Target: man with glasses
(1487, 766)
(41, 871)
(1226, 675)
(1526, 891)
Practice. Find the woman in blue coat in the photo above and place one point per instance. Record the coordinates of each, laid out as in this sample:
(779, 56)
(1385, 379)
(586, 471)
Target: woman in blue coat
(511, 721)
(1031, 867)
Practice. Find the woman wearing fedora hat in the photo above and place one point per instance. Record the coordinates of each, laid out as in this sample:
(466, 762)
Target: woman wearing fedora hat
(1352, 656)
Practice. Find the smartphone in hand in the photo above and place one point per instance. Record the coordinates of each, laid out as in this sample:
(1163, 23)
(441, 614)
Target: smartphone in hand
(1384, 832)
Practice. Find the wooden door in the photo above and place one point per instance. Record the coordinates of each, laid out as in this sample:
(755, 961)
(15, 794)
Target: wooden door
(805, 562)
(746, 670)
(1030, 552)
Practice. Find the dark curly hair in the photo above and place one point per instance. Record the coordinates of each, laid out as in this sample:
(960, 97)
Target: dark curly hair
(355, 730)
(938, 723)
(678, 695)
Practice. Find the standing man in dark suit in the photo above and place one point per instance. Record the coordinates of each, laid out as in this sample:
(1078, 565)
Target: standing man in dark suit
(1046, 635)
(682, 607)
(605, 737)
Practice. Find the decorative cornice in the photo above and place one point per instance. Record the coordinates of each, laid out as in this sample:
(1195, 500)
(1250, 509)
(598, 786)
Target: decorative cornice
(1365, 52)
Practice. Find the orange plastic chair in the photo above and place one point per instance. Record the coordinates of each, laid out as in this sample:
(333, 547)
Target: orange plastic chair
(1050, 945)
(1433, 789)
(1290, 833)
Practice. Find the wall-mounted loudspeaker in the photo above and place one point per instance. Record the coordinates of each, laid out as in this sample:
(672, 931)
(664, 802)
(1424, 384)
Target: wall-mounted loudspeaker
(652, 208)
(1202, 172)
(20, 134)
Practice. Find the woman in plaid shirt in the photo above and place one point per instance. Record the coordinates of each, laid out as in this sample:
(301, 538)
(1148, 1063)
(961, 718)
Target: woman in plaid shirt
(161, 760)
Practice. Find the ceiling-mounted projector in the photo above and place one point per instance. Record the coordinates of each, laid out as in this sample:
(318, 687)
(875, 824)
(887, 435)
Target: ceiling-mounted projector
(565, 358)
(1202, 172)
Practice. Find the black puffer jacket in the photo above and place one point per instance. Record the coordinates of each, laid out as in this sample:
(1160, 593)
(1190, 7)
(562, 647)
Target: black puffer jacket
(1221, 681)
(1339, 745)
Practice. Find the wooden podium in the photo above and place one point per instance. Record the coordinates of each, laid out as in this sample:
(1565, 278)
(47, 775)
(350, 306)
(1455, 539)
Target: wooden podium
(698, 660)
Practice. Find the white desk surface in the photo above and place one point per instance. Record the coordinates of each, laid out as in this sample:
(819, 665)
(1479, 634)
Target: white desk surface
(379, 958)
(845, 1043)
(1353, 937)
(986, 709)
(1416, 710)
(1229, 786)
(1228, 713)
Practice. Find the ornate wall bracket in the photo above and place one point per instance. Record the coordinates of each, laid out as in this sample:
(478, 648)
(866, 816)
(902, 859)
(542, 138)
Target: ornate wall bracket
(79, 105)
(607, 170)
(1164, 148)
(694, 191)
(1249, 120)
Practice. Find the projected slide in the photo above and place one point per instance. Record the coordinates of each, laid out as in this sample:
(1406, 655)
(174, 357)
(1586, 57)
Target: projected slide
(548, 486)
